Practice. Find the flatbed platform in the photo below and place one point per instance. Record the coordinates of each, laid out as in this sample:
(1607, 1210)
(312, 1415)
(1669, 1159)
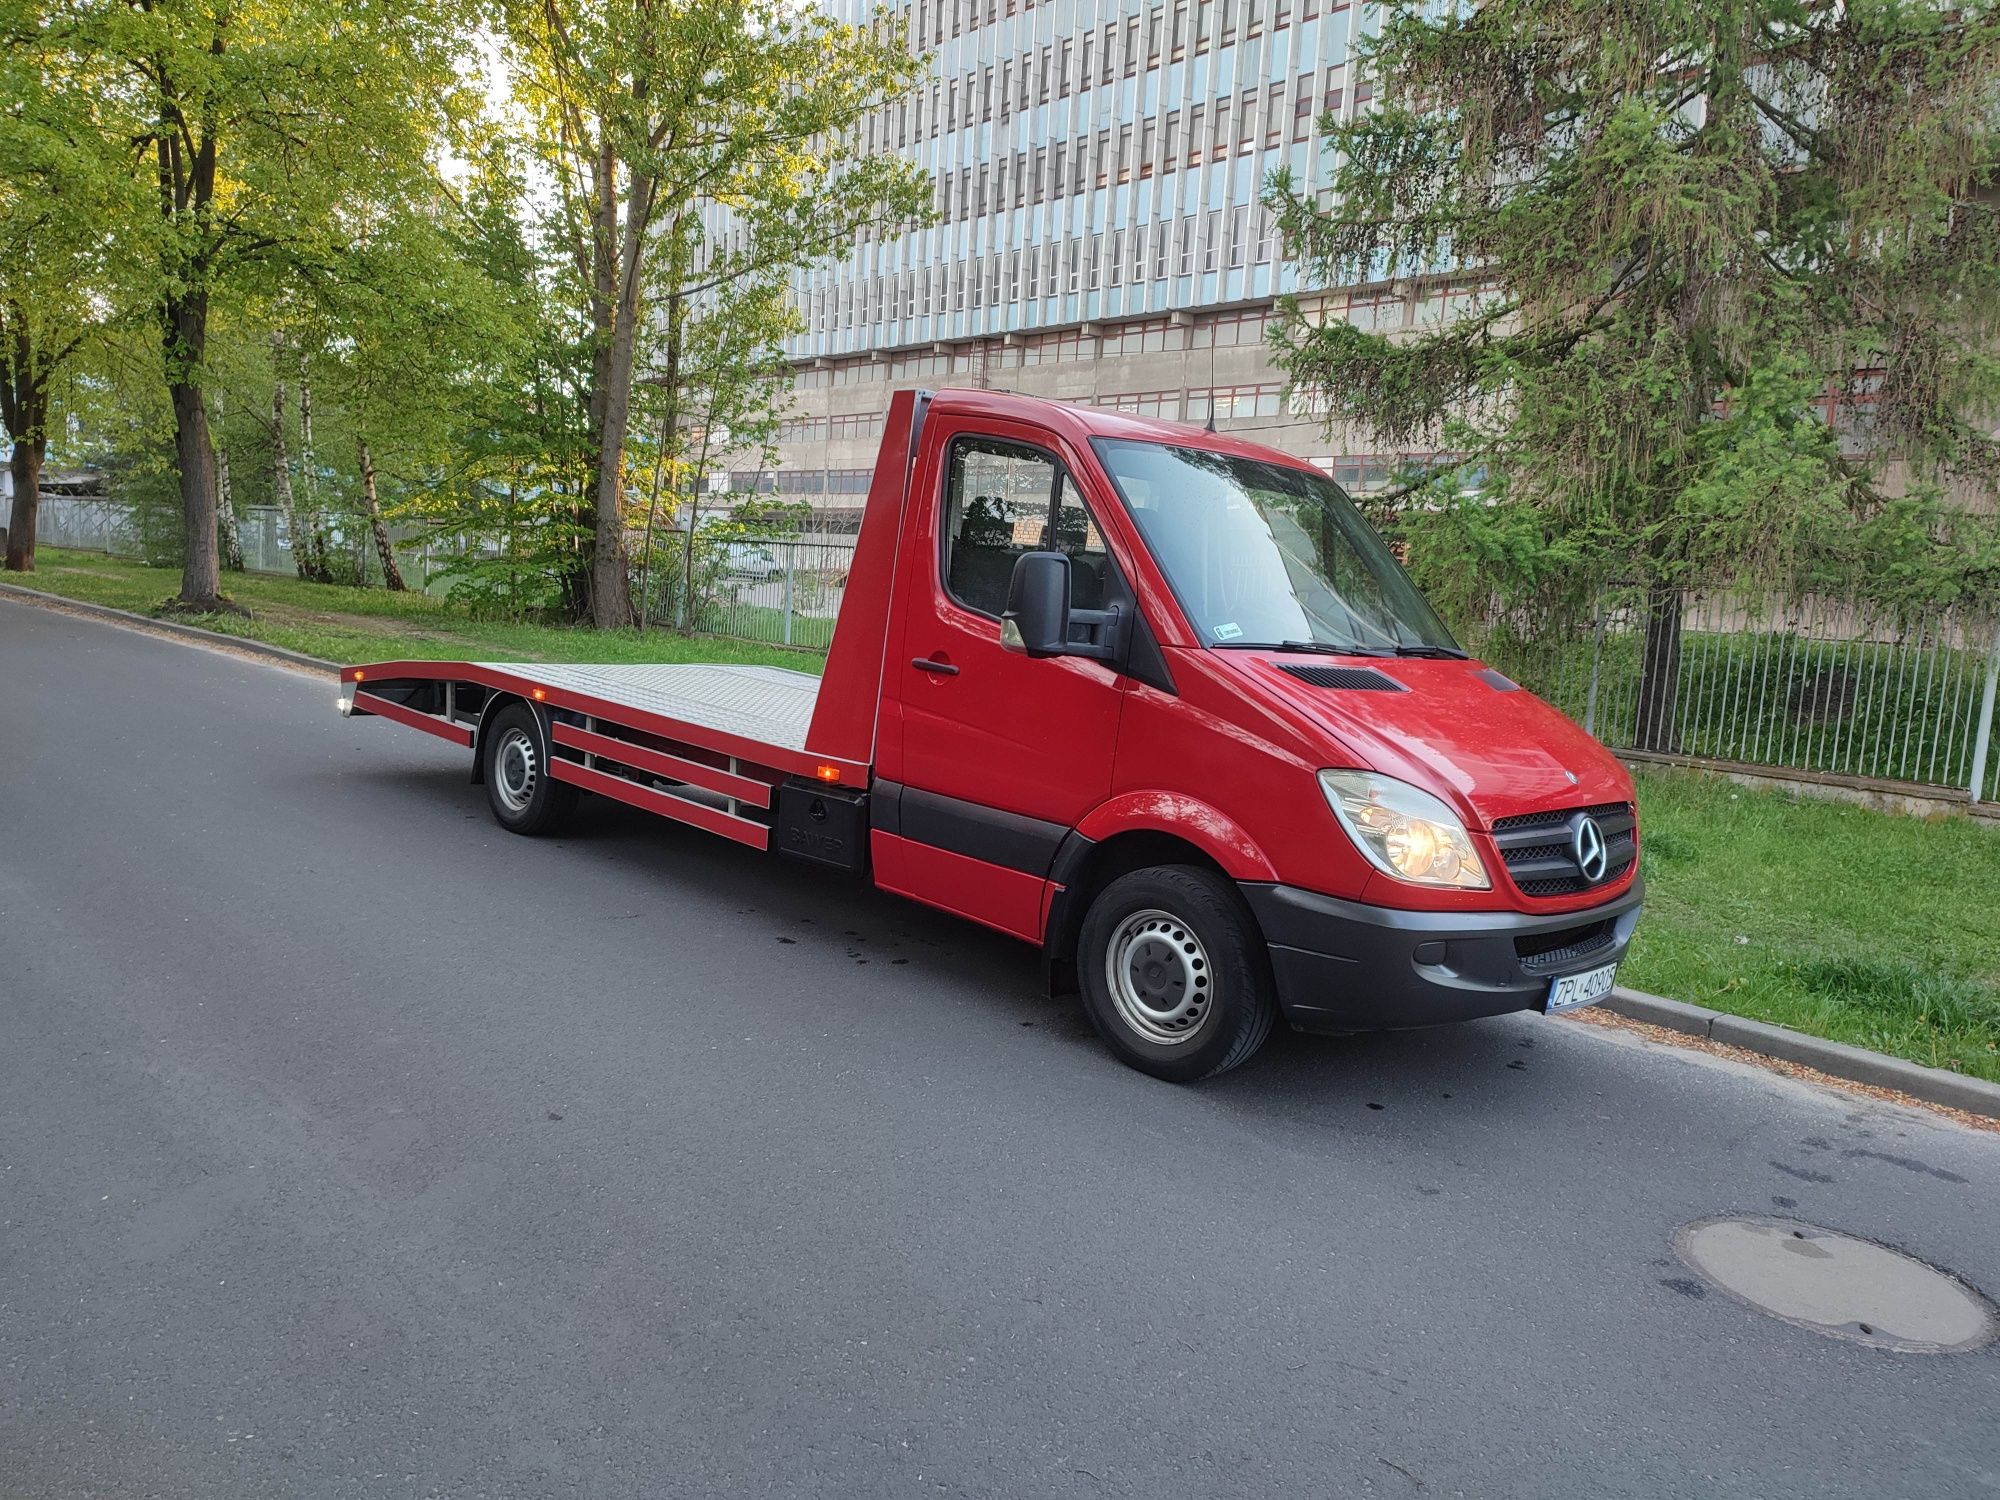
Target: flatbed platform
(752, 720)
(770, 705)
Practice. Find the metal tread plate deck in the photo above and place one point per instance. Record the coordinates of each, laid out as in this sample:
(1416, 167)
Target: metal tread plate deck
(772, 705)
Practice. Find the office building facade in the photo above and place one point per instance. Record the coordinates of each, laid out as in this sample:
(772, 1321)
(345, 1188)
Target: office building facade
(1097, 167)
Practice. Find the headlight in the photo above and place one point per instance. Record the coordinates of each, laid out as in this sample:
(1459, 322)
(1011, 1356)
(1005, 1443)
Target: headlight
(1406, 833)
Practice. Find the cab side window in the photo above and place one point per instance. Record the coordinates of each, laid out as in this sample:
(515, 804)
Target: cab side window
(996, 507)
(1002, 499)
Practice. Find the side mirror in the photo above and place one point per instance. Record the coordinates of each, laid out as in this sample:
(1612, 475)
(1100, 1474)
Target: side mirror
(1037, 617)
(1039, 621)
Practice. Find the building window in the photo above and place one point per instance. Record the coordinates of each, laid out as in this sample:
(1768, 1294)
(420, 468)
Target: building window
(1302, 109)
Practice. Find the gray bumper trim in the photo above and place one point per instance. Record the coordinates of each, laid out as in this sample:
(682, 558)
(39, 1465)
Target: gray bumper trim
(1343, 966)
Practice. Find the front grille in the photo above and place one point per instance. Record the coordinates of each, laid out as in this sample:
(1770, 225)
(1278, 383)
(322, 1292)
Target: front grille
(1539, 848)
(1551, 950)
(1551, 816)
(1569, 885)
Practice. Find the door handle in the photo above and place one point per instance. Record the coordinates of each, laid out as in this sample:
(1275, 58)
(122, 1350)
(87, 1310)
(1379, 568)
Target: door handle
(939, 668)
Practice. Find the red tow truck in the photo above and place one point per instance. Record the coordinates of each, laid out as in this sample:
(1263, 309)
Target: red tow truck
(1156, 699)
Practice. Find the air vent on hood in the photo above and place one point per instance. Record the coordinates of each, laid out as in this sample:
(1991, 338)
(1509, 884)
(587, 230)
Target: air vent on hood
(1354, 679)
(1495, 681)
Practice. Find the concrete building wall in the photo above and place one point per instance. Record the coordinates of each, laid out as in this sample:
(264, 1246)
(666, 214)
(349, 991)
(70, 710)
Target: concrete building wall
(1099, 237)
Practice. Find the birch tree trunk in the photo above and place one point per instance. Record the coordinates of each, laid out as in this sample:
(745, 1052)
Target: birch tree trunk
(392, 575)
(281, 467)
(315, 540)
(225, 501)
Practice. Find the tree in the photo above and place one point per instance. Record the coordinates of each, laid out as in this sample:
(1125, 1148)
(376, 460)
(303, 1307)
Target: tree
(1690, 228)
(254, 128)
(63, 222)
(421, 330)
(727, 386)
(645, 114)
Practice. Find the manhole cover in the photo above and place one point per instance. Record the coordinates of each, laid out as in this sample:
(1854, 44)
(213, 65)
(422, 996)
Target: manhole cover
(1838, 1285)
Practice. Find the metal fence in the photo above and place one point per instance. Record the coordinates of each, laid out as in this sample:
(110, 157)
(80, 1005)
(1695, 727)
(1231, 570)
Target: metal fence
(1801, 683)
(88, 525)
(116, 528)
(785, 590)
(1805, 683)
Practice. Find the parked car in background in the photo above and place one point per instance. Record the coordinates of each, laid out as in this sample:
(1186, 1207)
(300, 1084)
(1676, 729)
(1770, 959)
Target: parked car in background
(749, 560)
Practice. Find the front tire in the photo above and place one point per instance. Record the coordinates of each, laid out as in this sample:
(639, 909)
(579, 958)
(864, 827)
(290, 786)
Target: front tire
(524, 797)
(1174, 973)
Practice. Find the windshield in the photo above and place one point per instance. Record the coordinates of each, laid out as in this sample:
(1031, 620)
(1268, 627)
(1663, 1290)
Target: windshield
(1261, 554)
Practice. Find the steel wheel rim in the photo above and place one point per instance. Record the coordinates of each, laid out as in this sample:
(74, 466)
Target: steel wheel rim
(516, 770)
(1160, 978)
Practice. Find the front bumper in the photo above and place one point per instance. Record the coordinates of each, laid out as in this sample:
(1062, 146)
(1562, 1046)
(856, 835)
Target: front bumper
(1343, 966)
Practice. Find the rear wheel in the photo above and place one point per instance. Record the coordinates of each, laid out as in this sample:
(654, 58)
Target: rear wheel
(522, 794)
(1174, 974)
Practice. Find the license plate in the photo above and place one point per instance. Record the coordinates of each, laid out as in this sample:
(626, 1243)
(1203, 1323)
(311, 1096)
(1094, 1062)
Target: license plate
(1587, 988)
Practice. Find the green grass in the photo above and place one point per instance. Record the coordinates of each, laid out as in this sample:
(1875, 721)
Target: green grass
(360, 625)
(1870, 928)
(1866, 927)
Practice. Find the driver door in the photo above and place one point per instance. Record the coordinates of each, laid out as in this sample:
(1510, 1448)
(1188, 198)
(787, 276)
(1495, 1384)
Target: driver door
(1001, 754)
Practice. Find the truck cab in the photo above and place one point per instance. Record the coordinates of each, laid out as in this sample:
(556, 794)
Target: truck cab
(1155, 699)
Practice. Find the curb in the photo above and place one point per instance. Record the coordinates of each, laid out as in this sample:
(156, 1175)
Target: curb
(1856, 1064)
(146, 623)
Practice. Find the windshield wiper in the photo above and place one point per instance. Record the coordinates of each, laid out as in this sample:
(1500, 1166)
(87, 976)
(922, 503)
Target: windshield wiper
(1444, 653)
(1318, 648)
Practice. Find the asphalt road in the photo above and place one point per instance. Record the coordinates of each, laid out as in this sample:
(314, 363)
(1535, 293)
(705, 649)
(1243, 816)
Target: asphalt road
(351, 1147)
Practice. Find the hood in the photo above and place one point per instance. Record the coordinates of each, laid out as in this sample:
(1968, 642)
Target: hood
(1454, 727)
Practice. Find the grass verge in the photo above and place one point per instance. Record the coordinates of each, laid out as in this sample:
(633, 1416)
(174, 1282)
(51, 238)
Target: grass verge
(359, 625)
(1869, 928)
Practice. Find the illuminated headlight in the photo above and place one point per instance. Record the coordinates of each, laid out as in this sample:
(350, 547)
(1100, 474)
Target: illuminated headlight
(346, 699)
(1406, 833)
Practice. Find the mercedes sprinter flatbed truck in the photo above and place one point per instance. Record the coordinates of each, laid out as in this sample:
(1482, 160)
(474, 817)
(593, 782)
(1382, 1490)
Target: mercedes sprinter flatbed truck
(1155, 699)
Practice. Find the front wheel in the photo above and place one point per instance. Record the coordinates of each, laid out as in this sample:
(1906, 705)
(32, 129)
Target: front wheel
(524, 797)
(1174, 973)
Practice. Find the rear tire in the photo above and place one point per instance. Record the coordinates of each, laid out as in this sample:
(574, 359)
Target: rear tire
(524, 797)
(1174, 973)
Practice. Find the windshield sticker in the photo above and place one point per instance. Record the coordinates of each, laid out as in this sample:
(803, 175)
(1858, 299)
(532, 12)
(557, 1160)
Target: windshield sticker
(1229, 631)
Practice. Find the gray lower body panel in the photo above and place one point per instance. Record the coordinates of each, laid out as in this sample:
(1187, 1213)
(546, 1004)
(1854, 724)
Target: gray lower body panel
(1343, 966)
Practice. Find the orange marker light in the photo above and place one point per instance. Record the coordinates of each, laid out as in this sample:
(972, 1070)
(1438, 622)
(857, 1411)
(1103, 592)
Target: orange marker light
(540, 693)
(829, 773)
(359, 675)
